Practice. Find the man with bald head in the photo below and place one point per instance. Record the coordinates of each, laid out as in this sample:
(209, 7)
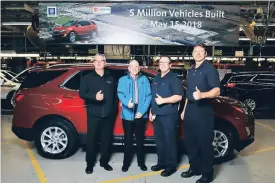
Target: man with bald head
(134, 93)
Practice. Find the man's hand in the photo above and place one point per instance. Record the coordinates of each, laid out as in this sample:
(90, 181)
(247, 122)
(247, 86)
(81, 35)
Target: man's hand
(159, 100)
(130, 104)
(138, 115)
(197, 94)
(151, 116)
(99, 95)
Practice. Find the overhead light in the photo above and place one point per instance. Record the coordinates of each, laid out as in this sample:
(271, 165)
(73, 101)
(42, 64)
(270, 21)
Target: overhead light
(16, 23)
(19, 55)
(244, 39)
(247, 39)
(14, 8)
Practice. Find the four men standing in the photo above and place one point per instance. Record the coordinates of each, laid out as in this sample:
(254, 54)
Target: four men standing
(135, 95)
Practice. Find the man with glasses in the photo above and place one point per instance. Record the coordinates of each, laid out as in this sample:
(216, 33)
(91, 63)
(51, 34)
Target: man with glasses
(167, 92)
(203, 84)
(134, 93)
(98, 91)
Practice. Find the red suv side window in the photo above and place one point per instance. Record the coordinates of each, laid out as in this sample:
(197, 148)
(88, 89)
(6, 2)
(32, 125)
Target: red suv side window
(38, 78)
(74, 82)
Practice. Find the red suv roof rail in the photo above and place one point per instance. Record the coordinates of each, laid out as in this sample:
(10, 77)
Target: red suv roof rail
(84, 64)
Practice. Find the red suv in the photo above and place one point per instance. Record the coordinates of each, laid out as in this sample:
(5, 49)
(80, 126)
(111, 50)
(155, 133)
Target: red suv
(49, 111)
(72, 29)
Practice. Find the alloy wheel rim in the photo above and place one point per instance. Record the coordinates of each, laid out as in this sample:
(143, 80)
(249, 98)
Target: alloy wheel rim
(72, 36)
(251, 103)
(54, 140)
(220, 144)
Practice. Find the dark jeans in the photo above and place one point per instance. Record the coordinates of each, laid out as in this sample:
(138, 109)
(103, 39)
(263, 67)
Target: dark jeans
(166, 139)
(130, 128)
(99, 129)
(198, 137)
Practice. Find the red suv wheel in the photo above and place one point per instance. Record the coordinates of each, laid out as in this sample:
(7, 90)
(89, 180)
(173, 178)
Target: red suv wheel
(56, 139)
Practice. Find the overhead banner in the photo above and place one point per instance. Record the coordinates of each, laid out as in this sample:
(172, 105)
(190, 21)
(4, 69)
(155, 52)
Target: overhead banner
(139, 24)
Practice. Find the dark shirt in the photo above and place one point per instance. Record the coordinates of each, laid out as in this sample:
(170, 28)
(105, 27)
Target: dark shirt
(167, 86)
(205, 78)
(90, 85)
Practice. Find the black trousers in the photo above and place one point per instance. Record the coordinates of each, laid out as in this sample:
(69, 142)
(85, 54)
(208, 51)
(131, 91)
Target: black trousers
(166, 139)
(130, 128)
(198, 137)
(99, 130)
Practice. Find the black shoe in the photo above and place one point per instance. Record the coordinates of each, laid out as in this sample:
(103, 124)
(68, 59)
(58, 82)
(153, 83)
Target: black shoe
(157, 168)
(124, 168)
(205, 179)
(143, 167)
(89, 170)
(189, 173)
(168, 171)
(107, 167)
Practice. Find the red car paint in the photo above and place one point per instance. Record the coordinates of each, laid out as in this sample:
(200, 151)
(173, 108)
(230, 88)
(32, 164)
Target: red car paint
(79, 28)
(34, 104)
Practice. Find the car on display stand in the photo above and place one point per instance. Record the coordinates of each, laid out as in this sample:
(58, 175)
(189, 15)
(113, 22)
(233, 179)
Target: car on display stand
(256, 89)
(49, 111)
(72, 29)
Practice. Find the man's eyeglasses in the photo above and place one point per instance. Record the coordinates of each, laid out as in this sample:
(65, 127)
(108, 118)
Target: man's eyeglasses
(164, 63)
(99, 61)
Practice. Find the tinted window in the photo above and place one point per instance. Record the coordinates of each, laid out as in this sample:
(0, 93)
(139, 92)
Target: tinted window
(74, 82)
(226, 78)
(87, 23)
(118, 73)
(241, 78)
(38, 78)
(267, 78)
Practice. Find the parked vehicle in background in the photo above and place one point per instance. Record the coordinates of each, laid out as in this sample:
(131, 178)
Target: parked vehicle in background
(8, 85)
(181, 72)
(10, 82)
(8, 74)
(255, 89)
(49, 111)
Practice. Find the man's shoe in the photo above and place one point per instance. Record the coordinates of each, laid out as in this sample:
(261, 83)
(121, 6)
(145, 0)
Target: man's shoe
(189, 173)
(143, 167)
(124, 168)
(107, 167)
(205, 179)
(89, 170)
(168, 171)
(156, 168)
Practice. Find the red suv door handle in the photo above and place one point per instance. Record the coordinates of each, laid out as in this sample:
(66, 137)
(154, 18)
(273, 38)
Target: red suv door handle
(68, 96)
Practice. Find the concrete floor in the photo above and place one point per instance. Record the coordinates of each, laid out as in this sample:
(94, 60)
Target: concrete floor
(21, 163)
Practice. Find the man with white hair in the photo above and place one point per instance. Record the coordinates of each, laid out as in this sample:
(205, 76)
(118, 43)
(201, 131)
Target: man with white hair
(134, 93)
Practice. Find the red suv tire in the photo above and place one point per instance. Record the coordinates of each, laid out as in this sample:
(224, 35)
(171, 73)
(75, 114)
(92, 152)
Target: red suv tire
(56, 139)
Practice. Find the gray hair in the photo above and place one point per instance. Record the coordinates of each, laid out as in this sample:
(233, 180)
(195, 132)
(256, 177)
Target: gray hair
(102, 55)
